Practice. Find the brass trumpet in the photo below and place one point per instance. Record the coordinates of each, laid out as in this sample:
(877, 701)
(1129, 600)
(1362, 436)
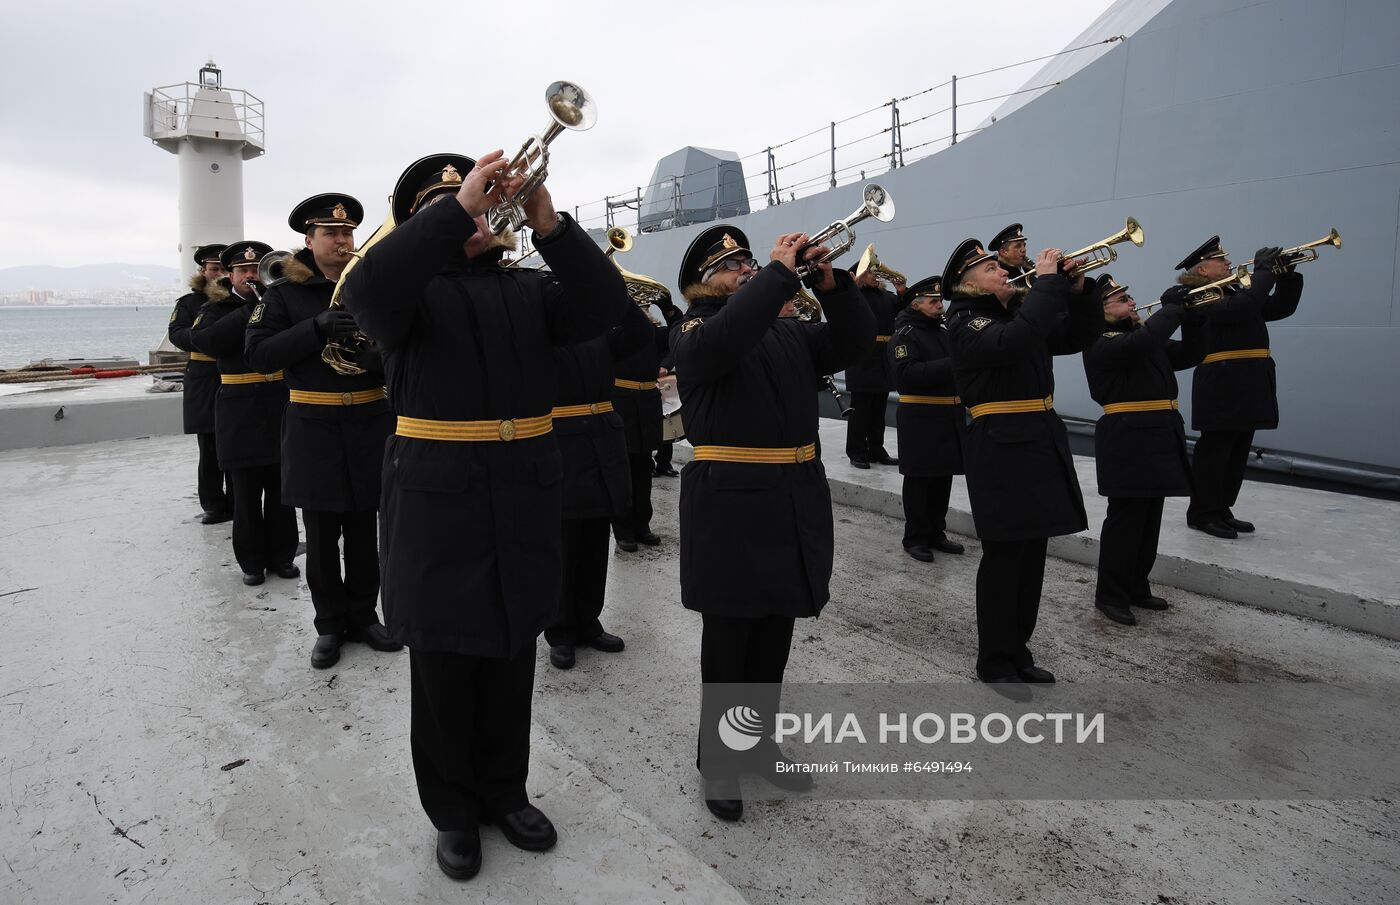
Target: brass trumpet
(870, 263)
(619, 240)
(875, 202)
(341, 355)
(570, 107)
(1100, 254)
(1210, 292)
(1301, 254)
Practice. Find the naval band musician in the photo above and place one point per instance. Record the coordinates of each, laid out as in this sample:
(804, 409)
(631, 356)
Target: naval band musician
(870, 380)
(201, 388)
(1140, 442)
(593, 443)
(1020, 473)
(248, 421)
(755, 510)
(1009, 246)
(1234, 390)
(471, 480)
(930, 420)
(335, 426)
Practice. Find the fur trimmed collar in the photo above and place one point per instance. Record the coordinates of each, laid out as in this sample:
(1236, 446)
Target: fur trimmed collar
(219, 290)
(296, 270)
(697, 291)
(198, 282)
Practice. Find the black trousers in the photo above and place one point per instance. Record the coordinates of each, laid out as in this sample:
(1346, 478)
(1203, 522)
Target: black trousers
(264, 531)
(663, 453)
(470, 734)
(342, 603)
(585, 578)
(636, 518)
(215, 488)
(865, 429)
(736, 650)
(1008, 602)
(926, 508)
(1217, 471)
(1128, 549)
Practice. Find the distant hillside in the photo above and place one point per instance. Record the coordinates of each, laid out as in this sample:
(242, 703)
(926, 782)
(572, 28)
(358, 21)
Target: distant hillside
(89, 276)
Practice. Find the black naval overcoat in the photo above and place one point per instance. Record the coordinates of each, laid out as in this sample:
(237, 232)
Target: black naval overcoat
(931, 437)
(470, 530)
(872, 374)
(756, 539)
(593, 447)
(331, 454)
(1020, 473)
(201, 384)
(1143, 454)
(1242, 394)
(248, 416)
(641, 409)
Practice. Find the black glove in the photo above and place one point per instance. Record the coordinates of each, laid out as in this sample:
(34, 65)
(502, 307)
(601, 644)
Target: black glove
(1176, 297)
(1265, 258)
(335, 324)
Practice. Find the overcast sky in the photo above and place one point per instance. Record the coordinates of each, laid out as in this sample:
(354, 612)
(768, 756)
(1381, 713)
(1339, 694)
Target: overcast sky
(356, 92)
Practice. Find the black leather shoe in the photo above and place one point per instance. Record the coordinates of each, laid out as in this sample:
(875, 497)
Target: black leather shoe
(920, 552)
(376, 636)
(666, 471)
(326, 652)
(1238, 524)
(649, 538)
(1151, 603)
(608, 644)
(626, 545)
(459, 853)
(943, 545)
(1119, 614)
(1036, 675)
(252, 578)
(211, 517)
(885, 459)
(1216, 528)
(1009, 686)
(561, 656)
(528, 829)
(723, 798)
(857, 463)
(286, 570)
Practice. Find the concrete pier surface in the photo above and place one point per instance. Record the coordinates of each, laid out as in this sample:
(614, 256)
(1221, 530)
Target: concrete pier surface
(166, 740)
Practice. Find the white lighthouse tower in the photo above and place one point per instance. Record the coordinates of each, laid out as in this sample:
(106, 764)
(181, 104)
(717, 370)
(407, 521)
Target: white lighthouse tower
(212, 129)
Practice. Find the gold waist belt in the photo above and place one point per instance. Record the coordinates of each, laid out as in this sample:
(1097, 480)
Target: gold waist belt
(200, 356)
(930, 400)
(634, 384)
(474, 431)
(250, 378)
(756, 454)
(1013, 406)
(1147, 405)
(881, 338)
(587, 408)
(311, 397)
(1234, 354)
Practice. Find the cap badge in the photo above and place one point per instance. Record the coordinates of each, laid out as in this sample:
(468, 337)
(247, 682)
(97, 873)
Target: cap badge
(728, 241)
(450, 174)
(249, 254)
(338, 212)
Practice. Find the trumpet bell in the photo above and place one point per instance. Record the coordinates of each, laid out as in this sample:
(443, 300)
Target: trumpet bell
(619, 240)
(878, 203)
(571, 106)
(271, 266)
